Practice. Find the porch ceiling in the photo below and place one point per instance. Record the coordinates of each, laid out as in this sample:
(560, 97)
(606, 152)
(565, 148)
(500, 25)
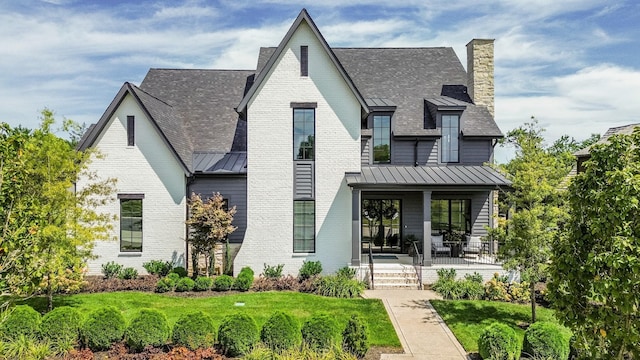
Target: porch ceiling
(458, 175)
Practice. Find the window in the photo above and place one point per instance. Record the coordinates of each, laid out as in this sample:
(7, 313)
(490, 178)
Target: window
(304, 226)
(450, 134)
(304, 60)
(131, 126)
(131, 222)
(451, 215)
(303, 133)
(381, 138)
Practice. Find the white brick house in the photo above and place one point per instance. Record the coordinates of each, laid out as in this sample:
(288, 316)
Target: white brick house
(305, 146)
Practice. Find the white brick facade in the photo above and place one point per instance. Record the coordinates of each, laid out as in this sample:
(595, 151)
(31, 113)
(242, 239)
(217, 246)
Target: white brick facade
(148, 168)
(269, 235)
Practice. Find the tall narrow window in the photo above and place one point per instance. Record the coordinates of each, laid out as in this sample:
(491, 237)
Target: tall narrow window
(450, 135)
(381, 138)
(131, 126)
(304, 60)
(303, 133)
(131, 222)
(304, 226)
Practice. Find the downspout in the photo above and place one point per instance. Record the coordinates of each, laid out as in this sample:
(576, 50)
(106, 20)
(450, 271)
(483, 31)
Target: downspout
(190, 180)
(415, 153)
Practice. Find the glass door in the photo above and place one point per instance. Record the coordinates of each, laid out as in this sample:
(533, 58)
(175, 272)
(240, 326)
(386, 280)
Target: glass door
(381, 225)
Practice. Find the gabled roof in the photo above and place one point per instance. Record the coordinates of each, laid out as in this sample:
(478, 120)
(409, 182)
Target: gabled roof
(160, 114)
(263, 71)
(620, 130)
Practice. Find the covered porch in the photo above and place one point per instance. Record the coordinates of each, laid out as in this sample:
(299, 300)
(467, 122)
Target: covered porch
(397, 209)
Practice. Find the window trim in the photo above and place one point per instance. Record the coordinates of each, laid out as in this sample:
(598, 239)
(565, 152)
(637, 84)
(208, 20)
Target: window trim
(313, 146)
(131, 130)
(131, 197)
(294, 228)
(442, 141)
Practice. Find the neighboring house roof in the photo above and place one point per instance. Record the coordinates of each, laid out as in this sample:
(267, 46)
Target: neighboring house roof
(261, 75)
(620, 130)
(458, 175)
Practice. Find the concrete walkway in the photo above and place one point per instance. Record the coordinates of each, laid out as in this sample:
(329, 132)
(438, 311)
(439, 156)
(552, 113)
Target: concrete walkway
(422, 332)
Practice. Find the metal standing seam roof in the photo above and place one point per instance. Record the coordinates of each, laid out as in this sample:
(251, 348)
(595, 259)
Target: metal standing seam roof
(234, 162)
(465, 175)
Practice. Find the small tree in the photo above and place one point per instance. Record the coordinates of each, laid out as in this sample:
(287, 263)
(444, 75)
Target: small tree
(595, 275)
(210, 223)
(535, 174)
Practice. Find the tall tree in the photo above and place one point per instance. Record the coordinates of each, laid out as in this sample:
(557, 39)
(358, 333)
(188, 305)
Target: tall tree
(210, 223)
(48, 228)
(527, 235)
(595, 277)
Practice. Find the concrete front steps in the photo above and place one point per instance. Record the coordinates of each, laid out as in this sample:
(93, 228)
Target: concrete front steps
(395, 277)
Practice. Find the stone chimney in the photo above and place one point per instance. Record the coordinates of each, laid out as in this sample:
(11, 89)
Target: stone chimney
(480, 72)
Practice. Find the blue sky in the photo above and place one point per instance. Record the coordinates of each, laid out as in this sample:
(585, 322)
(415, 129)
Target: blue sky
(571, 64)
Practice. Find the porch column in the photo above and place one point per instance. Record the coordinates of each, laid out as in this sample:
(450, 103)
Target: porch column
(426, 219)
(355, 227)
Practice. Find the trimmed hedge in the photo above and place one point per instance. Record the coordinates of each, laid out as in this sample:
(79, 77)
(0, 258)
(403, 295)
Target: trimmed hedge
(22, 320)
(320, 332)
(203, 283)
(102, 327)
(244, 280)
(61, 324)
(238, 334)
(194, 331)
(185, 284)
(148, 327)
(545, 340)
(499, 342)
(222, 283)
(354, 337)
(280, 332)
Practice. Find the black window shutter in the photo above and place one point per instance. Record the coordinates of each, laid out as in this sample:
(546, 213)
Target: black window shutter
(131, 130)
(304, 60)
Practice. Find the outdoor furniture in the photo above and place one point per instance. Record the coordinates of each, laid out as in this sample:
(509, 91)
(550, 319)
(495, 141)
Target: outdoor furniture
(437, 245)
(474, 245)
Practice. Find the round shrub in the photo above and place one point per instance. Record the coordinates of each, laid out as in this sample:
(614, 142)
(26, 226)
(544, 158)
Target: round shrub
(244, 280)
(185, 284)
(149, 327)
(164, 285)
(62, 324)
(354, 337)
(280, 332)
(222, 283)
(309, 269)
(182, 272)
(102, 327)
(173, 278)
(320, 332)
(22, 320)
(203, 283)
(545, 340)
(237, 334)
(499, 342)
(194, 330)
(158, 267)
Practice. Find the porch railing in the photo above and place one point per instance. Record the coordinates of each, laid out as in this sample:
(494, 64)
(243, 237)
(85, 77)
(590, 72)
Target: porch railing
(371, 266)
(487, 254)
(418, 261)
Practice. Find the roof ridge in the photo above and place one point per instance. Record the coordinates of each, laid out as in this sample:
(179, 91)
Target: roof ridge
(153, 96)
(394, 47)
(178, 69)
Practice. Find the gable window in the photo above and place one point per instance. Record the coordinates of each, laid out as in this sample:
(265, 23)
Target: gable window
(381, 138)
(450, 136)
(451, 215)
(304, 60)
(304, 121)
(304, 226)
(131, 126)
(131, 222)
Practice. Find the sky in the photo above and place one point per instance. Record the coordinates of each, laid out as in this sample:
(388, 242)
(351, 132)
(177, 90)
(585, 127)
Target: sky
(572, 64)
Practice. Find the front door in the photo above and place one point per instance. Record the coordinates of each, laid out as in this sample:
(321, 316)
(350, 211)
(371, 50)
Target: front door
(381, 219)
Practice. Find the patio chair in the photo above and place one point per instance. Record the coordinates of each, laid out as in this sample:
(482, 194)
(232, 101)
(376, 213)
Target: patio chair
(474, 245)
(438, 247)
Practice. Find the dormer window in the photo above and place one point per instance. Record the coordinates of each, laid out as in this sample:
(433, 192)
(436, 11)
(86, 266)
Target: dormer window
(381, 138)
(304, 60)
(449, 144)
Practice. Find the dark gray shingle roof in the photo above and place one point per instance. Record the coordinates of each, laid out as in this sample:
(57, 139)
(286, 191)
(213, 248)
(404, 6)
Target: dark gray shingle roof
(459, 175)
(625, 129)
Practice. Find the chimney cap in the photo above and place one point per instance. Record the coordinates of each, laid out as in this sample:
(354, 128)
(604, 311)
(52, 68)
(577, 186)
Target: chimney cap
(480, 41)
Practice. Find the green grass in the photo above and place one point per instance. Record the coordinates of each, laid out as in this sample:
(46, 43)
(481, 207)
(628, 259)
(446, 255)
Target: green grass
(467, 318)
(260, 306)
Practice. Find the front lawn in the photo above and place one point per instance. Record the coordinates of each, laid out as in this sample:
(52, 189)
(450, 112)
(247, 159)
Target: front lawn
(257, 305)
(467, 318)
